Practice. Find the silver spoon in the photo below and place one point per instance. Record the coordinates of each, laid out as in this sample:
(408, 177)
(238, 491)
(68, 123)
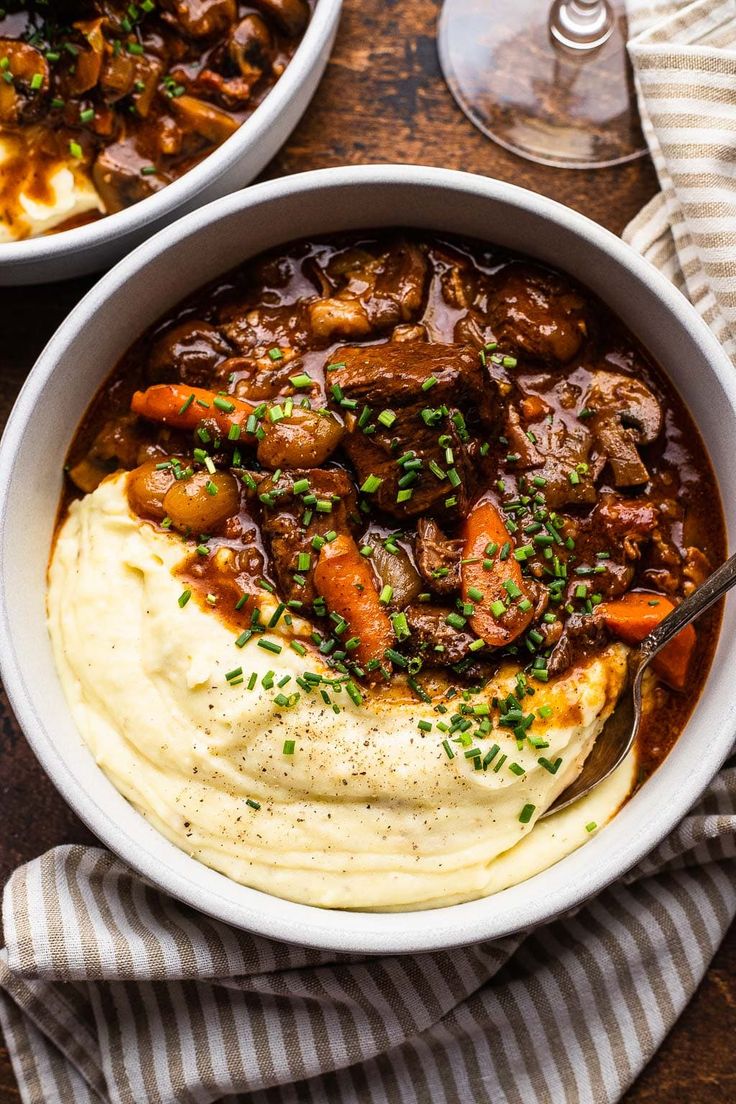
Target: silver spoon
(619, 731)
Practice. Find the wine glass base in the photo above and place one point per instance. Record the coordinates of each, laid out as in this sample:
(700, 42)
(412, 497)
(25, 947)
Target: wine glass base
(572, 109)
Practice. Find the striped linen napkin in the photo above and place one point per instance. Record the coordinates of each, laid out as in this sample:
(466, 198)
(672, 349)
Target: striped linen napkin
(112, 991)
(684, 59)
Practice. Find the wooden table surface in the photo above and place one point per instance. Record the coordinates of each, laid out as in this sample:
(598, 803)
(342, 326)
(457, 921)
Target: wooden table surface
(382, 99)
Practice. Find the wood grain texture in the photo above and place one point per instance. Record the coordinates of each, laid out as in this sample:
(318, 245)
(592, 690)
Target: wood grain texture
(383, 99)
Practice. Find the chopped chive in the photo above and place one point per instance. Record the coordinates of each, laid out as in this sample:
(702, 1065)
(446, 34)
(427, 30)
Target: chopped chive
(527, 813)
(400, 626)
(184, 597)
(490, 756)
(371, 484)
(455, 620)
(353, 692)
(302, 380)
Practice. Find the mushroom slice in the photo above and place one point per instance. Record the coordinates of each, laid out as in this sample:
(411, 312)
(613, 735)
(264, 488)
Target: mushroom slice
(204, 119)
(626, 414)
(27, 81)
(291, 16)
(250, 46)
(201, 18)
(85, 73)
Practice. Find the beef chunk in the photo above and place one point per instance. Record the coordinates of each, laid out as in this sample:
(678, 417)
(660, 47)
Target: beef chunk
(560, 454)
(583, 634)
(118, 178)
(188, 353)
(386, 388)
(283, 523)
(402, 277)
(616, 527)
(439, 644)
(367, 293)
(437, 557)
(537, 314)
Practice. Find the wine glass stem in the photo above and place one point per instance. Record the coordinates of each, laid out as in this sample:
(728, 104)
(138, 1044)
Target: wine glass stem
(580, 24)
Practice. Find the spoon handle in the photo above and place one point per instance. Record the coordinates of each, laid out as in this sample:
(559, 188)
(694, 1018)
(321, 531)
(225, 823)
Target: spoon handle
(691, 608)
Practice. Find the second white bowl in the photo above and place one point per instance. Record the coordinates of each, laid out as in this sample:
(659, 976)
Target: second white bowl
(232, 165)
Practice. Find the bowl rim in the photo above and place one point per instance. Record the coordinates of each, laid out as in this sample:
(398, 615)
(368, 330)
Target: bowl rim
(163, 864)
(111, 228)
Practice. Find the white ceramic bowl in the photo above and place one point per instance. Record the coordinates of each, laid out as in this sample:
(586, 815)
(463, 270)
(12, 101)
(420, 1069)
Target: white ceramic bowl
(150, 281)
(232, 165)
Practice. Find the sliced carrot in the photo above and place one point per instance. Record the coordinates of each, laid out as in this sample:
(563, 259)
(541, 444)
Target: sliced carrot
(344, 579)
(497, 579)
(184, 407)
(533, 408)
(633, 617)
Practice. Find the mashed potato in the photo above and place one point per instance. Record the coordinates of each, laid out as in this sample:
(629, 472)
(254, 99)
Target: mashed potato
(368, 812)
(39, 193)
